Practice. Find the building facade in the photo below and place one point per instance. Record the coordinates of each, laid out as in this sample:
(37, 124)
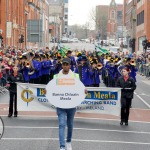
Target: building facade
(143, 22)
(12, 22)
(65, 24)
(14, 18)
(115, 22)
(109, 23)
(129, 20)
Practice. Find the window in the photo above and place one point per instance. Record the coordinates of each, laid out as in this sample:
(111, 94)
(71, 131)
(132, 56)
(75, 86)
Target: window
(66, 1)
(66, 23)
(113, 14)
(66, 10)
(138, 1)
(66, 30)
(140, 18)
(66, 16)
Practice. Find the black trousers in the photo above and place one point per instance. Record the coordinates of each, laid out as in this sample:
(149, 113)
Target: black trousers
(13, 100)
(95, 85)
(125, 110)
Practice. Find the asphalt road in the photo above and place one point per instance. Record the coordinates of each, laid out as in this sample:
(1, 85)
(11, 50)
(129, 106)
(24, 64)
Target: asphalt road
(28, 133)
(90, 133)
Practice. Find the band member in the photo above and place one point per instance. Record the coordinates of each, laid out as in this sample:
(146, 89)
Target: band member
(12, 79)
(128, 86)
(96, 69)
(85, 71)
(73, 62)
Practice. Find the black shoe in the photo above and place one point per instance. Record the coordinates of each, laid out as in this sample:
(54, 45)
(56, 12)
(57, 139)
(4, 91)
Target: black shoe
(126, 123)
(9, 115)
(121, 123)
(15, 115)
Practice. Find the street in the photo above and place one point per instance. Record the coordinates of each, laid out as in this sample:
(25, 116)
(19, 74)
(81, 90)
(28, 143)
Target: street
(39, 130)
(82, 46)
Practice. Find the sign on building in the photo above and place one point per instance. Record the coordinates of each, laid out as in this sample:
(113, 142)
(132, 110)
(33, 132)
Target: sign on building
(9, 29)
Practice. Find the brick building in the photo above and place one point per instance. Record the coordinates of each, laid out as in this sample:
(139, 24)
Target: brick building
(12, 21)
(14, 16)
(129, 20)
(109, 20)
(143, 23)
(115, 22)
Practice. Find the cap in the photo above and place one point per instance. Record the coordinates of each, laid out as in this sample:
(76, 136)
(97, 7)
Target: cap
(66, 60)
(69, 52)
(84, 58)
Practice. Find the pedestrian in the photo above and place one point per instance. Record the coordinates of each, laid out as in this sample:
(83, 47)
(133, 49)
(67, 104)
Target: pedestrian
(66, 113)
(12, 79)
(128, 86)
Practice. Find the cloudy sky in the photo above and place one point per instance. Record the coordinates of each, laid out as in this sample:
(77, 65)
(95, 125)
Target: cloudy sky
(79, 10)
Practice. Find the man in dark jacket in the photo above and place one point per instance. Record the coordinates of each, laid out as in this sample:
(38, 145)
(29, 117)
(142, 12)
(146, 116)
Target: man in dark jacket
(128, 86)
(12, 79)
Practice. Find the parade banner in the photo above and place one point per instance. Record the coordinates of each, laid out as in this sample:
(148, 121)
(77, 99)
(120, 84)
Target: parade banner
(31, 97)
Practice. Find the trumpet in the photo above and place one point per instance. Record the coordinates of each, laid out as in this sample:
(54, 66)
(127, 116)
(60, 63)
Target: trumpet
(27, 64)
(99, 66)
(132, 62)
(30, 66)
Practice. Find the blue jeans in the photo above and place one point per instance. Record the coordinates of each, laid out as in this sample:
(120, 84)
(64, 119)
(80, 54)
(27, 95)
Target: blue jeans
(65, 116)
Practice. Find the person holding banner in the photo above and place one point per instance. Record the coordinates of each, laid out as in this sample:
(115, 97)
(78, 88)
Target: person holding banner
(128, 86)
(67, 112)
(12, 79)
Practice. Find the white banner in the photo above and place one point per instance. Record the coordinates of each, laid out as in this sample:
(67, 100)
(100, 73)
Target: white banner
(65, 92)
(31, 97)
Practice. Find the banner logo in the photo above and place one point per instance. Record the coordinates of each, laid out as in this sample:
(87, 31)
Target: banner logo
(25, 95)
(65, 81)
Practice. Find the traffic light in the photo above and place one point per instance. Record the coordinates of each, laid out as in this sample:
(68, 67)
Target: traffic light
(144, 43)
(132, 43)
(1, 41)
(21, 39)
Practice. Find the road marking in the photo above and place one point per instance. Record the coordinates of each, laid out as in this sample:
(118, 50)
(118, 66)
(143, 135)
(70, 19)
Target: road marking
(78, 140)
(142, 100)
(85, 129)
(83, 118)
(143, 94)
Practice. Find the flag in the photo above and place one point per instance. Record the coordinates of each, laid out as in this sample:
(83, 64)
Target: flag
(62, 50)
(101, 50)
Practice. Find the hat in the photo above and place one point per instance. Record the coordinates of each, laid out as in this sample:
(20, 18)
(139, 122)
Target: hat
(31, 54)
(66, 60)
(69, 52)
(84, 58)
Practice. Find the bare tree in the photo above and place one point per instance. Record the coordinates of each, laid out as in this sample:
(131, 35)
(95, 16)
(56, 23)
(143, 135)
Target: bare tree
(100, 20)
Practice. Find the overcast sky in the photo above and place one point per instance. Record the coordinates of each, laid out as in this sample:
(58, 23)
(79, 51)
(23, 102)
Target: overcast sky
(79, 9)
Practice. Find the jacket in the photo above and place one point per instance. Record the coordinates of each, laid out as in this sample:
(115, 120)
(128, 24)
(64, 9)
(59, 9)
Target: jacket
(12, 81)
(130, 83)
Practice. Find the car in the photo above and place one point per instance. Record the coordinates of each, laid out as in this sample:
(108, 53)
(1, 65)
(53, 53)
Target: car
(114, 50)
(74, 40)
(64, 40)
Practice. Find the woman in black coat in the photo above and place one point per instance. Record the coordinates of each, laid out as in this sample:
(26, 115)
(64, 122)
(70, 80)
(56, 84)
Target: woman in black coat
(128, 86)
(12, 79)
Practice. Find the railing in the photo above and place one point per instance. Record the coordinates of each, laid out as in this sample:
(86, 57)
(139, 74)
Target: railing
(144, 69)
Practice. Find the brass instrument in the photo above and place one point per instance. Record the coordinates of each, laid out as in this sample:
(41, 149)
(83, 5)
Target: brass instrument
(99, 66)
(27, 64)
(132, 62)
(31, 66)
